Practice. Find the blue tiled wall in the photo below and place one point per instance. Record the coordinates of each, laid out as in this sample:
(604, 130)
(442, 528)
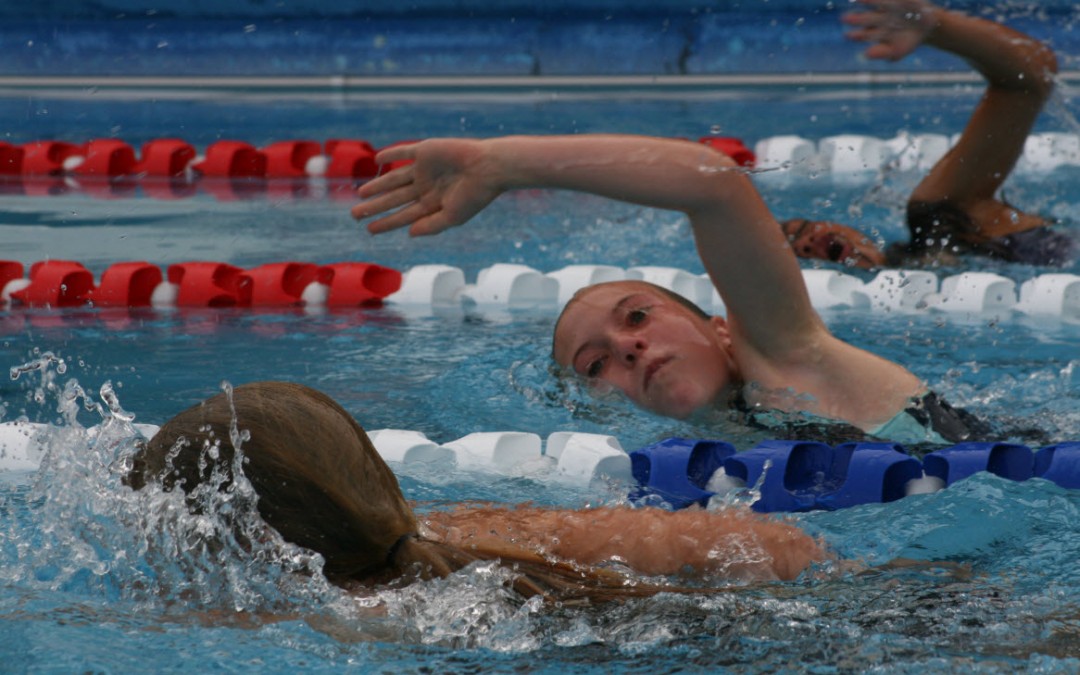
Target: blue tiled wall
(455, 37)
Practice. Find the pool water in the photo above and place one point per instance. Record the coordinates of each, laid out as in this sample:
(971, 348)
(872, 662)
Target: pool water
(93, 580)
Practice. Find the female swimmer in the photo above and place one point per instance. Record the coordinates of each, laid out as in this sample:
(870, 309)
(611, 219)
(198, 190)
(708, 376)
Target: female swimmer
(771, 352)
(322, 485)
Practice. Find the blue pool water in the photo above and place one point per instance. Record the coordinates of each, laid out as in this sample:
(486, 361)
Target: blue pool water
(92, 576)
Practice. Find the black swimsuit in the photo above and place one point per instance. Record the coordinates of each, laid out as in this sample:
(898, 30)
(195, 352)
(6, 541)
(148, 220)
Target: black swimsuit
(927, 419)
(942, 227)
(1040, 246)
(954, 425)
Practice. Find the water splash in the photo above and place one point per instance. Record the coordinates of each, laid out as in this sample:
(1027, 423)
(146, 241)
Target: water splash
(49, 365)
(87, 532)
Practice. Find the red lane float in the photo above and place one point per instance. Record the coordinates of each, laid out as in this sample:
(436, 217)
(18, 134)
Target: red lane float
(279, 283)
(11, 159)
(289, 159)
(207, 284)
(44, 158)
(354, 284)
(351, 159)
(61, 283)
(166, 157)
(732, 147)
(234, 159)
(107, 157)
(56, 283)
(127, 284)
(10, 270)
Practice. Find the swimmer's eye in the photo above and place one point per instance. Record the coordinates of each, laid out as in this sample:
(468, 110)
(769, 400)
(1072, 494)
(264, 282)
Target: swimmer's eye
(594, 368)
(636, 317)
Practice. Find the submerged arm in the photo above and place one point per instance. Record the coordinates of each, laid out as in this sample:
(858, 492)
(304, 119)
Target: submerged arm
(739, 241)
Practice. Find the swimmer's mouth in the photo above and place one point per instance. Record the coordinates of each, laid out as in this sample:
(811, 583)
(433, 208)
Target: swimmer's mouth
(651, 370)
(835, 251)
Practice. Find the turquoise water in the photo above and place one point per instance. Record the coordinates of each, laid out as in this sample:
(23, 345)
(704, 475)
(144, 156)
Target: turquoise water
(94, 577)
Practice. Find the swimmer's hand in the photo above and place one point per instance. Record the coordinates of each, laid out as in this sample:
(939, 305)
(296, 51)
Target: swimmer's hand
(447, 182)
(895, 27)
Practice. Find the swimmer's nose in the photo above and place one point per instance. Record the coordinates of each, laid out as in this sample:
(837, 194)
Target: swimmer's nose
(630, 348)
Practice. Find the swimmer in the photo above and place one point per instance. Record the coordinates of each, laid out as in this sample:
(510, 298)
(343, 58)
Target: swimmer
(955, 209)
(772, 352)
(322, 485)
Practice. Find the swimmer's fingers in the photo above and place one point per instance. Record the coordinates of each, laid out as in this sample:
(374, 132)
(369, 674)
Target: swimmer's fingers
(406, 216)
(388, 181)
(421, 220)
(889, 42)
(896, 27)
(432, 224)
(397, 153)
(385, 201)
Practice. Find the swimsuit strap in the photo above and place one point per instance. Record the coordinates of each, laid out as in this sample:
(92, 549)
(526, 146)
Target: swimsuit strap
(392, 553)
(738, 402)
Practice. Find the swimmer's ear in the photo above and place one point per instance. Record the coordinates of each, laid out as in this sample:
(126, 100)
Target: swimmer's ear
(720, 327)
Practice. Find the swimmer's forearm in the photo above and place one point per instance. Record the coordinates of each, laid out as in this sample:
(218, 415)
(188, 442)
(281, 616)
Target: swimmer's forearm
(659, 173)
(1005, 57)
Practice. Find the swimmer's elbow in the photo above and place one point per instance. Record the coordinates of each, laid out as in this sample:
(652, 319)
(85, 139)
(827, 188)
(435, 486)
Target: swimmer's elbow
(1045, 66)
(722, 185)
(1038, 75)
(1049, 69)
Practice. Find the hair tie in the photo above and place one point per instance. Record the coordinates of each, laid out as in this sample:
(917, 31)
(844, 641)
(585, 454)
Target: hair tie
(397, 546)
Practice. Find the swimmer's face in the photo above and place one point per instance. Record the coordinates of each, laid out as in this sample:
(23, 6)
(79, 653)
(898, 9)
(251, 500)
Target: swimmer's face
(632, 337)
(823, 240)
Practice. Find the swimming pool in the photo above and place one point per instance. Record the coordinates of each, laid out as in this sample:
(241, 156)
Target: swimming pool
(86, 580)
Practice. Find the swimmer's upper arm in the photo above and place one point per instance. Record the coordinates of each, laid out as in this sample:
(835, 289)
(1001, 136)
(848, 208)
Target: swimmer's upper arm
(753, 267)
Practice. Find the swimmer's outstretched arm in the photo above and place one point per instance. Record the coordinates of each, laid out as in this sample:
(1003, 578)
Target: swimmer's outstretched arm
(1019, 72)
(742, 247)
(730, 544)
(781, 341)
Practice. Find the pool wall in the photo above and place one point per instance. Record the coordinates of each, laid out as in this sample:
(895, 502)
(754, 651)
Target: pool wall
(464, 37)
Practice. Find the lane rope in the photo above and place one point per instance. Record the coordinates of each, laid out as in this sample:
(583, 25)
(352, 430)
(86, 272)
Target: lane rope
(787, 476)
(62, 283)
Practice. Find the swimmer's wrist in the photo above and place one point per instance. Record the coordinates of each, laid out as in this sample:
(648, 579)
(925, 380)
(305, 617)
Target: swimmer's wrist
(930, 19)
(504, 161)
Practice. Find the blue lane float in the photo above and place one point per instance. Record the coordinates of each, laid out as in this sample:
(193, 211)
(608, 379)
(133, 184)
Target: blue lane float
(678, 470)
(1059, 463)
(797, 476)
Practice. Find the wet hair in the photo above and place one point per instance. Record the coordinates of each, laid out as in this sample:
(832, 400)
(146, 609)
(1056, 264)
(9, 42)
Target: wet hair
(322, 485)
